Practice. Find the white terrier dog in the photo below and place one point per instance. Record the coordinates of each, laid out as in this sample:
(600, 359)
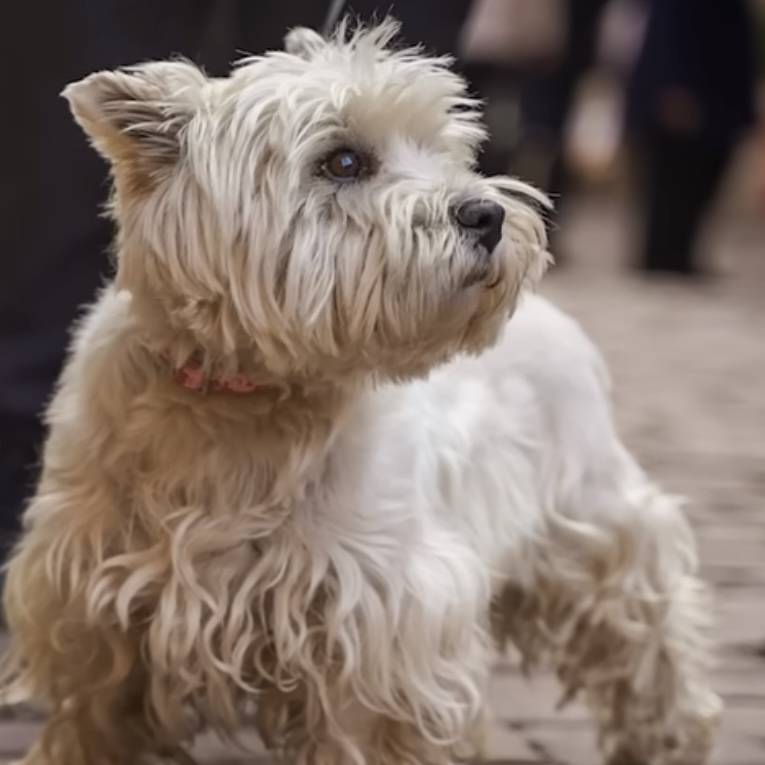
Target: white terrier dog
(281, 488)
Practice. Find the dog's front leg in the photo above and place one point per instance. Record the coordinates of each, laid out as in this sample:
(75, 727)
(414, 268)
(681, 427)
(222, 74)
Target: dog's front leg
(352, 733)
(640, 651)
(617, 602)
(83, 667)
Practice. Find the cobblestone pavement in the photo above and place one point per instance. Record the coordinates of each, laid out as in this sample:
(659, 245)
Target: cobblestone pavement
(689, 382)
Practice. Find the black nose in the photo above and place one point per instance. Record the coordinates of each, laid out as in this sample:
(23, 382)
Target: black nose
(483, 217)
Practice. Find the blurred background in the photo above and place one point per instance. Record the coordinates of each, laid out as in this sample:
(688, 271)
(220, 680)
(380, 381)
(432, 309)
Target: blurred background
(643, 119)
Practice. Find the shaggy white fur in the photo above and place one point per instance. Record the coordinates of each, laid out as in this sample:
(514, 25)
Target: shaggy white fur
(329, 556)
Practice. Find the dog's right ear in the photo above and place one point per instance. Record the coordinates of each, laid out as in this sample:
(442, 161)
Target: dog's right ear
(134, 116)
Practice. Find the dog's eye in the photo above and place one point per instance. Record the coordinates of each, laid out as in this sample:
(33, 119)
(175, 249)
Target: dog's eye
(343, 165)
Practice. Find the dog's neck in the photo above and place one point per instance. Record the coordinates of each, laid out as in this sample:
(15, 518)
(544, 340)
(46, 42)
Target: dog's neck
(283, 432)
(236, 399)
(201, 370)
(191, 376)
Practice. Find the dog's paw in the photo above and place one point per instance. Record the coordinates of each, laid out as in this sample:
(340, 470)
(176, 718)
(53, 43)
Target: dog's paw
(693, 749)
(175, 756)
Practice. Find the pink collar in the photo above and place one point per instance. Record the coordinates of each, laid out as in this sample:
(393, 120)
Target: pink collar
(192, 377)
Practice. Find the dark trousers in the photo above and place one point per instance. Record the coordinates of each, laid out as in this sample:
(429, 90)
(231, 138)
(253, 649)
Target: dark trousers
(681, 176)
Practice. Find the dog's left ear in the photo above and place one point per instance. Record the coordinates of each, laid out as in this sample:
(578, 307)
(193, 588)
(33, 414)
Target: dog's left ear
(135, 116)
(303, 42)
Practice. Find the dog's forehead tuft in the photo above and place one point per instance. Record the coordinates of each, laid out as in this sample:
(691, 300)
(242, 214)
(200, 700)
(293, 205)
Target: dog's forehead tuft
(362, 84)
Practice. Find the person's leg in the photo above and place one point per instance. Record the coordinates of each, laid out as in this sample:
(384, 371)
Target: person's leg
(682, 177)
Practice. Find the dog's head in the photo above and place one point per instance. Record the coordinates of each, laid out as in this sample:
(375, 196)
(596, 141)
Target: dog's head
(318, 209)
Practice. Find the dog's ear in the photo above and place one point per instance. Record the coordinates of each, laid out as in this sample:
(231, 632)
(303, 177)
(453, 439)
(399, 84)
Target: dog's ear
(135, 115)
(303, 42)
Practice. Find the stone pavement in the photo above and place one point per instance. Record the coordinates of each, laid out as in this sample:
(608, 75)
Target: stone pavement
(688, 363)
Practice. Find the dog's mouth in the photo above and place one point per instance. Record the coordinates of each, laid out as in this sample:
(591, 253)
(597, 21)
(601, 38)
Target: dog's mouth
(489, 275)
(475, 277)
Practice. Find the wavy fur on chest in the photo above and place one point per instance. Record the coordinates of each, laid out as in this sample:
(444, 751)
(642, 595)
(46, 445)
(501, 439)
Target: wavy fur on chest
(203, 551)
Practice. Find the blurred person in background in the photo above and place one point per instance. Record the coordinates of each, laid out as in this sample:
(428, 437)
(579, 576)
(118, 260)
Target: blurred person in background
(686, 69)
(690, 100)
(55, 244)
(529, 59)
(548, 95)
(517, 51)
